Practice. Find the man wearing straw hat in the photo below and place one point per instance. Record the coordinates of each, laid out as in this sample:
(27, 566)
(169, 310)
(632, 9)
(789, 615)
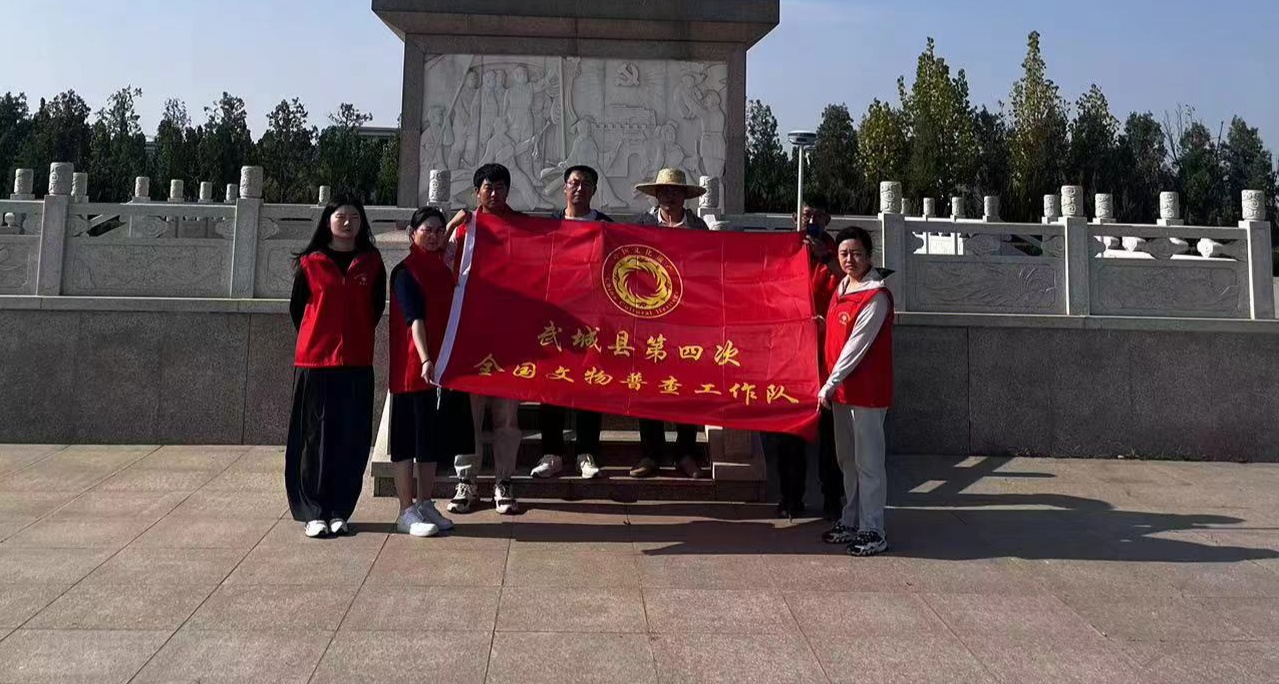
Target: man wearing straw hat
(671, 190)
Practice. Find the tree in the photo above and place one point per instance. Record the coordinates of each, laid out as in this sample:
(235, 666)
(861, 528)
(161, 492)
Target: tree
(225, 142)
(992, 175)
(834, 164)
(388, 175)
(1094, 146)
(1248, 166)
(176, 145)
(939, 126)
(769, 174)
(287, 153)
(1037, 135)
(1143, 160)
(15, 126)
(882, 146)
(59, 132)
(346, 159)
(118, 151)
(1200, 177)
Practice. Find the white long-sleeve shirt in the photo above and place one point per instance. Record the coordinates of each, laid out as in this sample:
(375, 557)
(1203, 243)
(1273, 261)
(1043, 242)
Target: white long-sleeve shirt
(869, 320)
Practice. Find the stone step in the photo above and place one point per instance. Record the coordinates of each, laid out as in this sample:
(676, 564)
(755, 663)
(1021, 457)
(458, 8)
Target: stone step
(612, 484)
(617, 447)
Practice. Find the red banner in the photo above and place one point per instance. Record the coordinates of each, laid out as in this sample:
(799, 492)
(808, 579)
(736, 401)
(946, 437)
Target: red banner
(674, 324)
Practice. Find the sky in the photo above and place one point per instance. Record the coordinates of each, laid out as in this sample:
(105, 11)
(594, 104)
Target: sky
(1221, 57)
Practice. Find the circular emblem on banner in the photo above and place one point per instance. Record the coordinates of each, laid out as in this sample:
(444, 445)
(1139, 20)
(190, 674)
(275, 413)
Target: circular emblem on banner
(642, 281)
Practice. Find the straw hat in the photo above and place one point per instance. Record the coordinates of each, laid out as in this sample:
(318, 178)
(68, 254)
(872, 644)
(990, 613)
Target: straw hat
(671, 178)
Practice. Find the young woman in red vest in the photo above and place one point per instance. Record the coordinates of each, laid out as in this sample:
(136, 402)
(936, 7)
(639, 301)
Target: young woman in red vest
(429, 424)
(339, 292)
(859, 390)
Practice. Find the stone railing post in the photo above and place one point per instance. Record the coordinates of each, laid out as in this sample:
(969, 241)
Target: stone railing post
(24, 181)
(1052, 209)
(908, 207)
(1260, 278)
(53, 230)
(177, 191)
(206, 192)
(1170, 209)
(930, 207)
(141, 190)
(232, 192)
(441, 184)
(1072, 201)
(957, 208)
(890, 197)
(325, 195)
(896, 252)
(80, 187)
(244, 241)
(1078, 265)
(990, 208)
(1105, 214)
(709, 203)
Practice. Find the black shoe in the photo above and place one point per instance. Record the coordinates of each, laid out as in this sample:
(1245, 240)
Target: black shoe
(839, 534)
(867, 544)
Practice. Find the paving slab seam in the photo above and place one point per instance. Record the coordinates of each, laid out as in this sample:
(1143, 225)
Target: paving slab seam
(346, 612)
(951, 630)
(808, 644)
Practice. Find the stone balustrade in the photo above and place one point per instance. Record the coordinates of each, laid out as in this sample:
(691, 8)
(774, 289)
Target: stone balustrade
(1065, 264)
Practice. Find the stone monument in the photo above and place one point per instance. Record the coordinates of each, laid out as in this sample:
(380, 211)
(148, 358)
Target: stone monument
(627, 88)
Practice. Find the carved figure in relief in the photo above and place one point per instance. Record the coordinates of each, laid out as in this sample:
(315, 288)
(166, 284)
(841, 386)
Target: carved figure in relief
(466, 123)
(436, 136)
(584, 152)
(710, 145)
(501, 149)
(518, 108)
(664, 151)
(492, 97)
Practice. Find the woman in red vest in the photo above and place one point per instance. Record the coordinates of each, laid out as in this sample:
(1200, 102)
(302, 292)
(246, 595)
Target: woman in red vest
(339, 293)
(429, 424)
(859, 389)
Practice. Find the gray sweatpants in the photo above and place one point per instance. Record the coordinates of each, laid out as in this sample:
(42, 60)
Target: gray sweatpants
(859, 449)
(505, 442)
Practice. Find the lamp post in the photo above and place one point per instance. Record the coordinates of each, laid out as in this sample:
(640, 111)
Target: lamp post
(803, 141)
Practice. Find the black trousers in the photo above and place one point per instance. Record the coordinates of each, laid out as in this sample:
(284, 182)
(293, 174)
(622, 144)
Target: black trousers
(587, 424)
(653, 440)
(330, 434)
(790, 453)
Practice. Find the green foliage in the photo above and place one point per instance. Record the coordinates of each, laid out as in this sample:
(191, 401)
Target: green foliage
(118, 148)
(770, 176)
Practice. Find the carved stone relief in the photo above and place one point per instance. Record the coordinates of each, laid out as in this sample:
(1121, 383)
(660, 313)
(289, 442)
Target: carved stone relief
(537, 115)
(274, 276)
(972, 285)
(1127, 287)
(18, 255)
(147, 268)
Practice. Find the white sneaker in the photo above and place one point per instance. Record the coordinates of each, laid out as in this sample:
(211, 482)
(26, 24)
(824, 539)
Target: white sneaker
(586, 466)
(316, 528)
(427, 510)
(337, 526)
(504, 498)
(412, 524)
(464, 498)
(549, 466)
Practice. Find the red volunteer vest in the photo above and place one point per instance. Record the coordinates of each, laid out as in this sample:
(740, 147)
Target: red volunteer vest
(870, 385)
(337, 325)
(435, 281)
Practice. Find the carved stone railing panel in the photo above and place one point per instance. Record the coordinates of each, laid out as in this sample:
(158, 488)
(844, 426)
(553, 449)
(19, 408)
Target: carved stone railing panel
(21, 217)
(19, 256)
(994, 284)
(140, 267)
(1176, 288)
(274, 276)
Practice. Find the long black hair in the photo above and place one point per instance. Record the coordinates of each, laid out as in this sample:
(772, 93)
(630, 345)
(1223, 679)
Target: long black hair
(324, 235)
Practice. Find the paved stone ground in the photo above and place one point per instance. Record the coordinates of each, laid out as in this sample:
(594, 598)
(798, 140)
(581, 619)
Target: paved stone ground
(175, 564)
